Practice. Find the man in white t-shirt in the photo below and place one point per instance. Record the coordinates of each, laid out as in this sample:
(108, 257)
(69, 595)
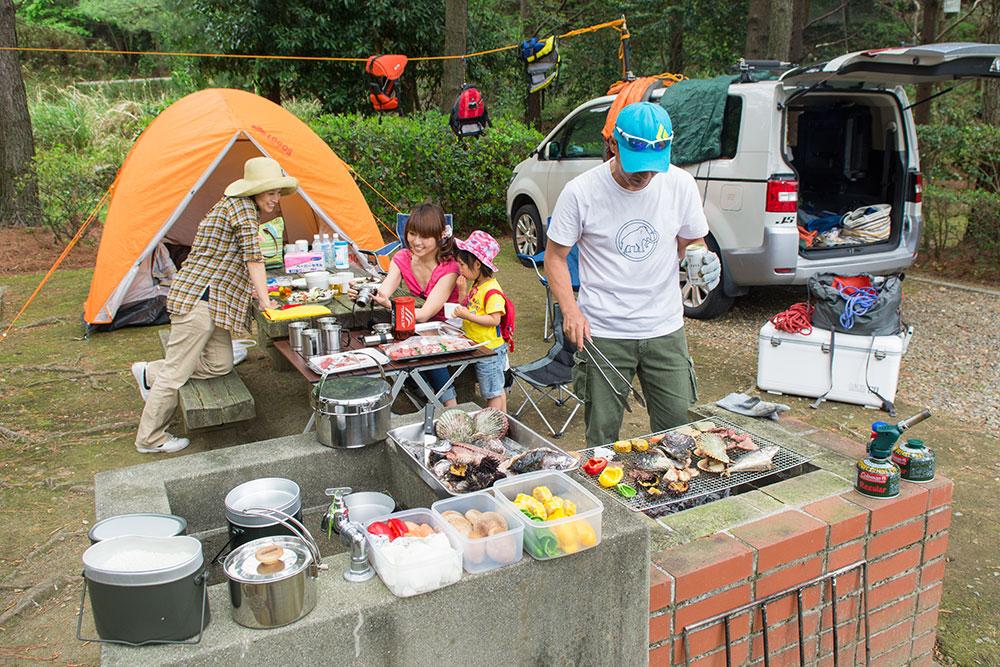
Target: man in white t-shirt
(632, 218)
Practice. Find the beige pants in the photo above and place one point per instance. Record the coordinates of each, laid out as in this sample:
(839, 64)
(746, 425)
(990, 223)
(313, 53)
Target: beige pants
(197, 349)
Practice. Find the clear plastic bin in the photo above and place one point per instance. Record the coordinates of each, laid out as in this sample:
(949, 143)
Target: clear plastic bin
(561, 537)
(407, 576)
(486, 553)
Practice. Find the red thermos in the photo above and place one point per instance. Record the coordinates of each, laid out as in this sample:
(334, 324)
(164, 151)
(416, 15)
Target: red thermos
(404, 317)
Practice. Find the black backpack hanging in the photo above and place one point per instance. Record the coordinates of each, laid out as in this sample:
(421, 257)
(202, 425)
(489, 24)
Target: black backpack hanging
(469, 117)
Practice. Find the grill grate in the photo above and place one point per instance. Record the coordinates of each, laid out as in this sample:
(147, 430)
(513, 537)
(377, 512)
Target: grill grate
(703, 488)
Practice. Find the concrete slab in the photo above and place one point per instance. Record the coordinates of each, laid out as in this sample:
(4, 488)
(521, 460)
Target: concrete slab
(588, 608)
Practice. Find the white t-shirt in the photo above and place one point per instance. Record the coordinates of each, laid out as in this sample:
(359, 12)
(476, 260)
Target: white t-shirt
(628, 250)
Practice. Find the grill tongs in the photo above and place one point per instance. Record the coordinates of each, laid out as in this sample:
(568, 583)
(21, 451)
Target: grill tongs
(587, 346)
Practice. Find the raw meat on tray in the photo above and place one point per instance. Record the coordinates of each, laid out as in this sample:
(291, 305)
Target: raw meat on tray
(422, 346)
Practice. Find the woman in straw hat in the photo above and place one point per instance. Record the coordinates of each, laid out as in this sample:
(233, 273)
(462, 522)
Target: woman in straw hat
(210, 299)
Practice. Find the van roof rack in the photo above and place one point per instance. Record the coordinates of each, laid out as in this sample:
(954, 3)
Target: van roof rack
(772, 68)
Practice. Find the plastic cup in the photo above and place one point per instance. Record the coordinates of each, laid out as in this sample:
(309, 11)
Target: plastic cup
(449, 310)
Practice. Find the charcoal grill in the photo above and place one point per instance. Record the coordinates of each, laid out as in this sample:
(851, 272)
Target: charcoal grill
(706, 486)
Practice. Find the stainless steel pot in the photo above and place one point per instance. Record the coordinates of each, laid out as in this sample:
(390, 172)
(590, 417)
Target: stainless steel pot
(265, 597)
(351, 412)
(274, 493)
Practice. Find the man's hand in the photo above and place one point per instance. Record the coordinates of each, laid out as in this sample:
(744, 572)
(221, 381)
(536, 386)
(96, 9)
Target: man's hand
(576, 326)
(711, 270)
(267, 303)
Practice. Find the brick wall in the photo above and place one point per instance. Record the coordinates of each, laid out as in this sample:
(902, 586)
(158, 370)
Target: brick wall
(904, 540)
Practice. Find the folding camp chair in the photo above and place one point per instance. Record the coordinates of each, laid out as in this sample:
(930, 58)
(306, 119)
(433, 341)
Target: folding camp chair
(389, 248)
(573, 262)
(551, 377)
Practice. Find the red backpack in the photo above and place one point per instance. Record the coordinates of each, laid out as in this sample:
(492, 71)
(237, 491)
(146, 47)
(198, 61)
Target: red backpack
(468, 115)
(508, 321)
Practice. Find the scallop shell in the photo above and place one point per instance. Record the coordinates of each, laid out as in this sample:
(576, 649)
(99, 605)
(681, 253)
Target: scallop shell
(455, 424)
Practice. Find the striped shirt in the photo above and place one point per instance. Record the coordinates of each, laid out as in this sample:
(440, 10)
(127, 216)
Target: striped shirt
(226, 240)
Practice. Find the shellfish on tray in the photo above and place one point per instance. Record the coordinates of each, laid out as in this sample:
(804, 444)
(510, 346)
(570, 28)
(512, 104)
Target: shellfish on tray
(713, 446)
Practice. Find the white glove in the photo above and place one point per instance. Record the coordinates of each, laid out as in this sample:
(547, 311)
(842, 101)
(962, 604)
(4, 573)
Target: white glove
(711, 270)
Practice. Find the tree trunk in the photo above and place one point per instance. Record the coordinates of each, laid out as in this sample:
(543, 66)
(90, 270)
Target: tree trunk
(928, 35)
(800, 16)
(758, 13)
(456, 19)
(779, 33)
(18, 189)
(990, 34)
(532, 101)
(675, 40)
(270, 87)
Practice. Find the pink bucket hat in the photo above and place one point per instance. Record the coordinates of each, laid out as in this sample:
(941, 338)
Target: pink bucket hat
(482, 245)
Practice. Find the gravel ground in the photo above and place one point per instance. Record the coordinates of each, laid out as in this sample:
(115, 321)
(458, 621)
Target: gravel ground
(952, 364)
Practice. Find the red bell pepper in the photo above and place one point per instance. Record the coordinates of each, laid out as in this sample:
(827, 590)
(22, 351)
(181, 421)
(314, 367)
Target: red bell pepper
(595, 465)
(379, 528)
(397, 527)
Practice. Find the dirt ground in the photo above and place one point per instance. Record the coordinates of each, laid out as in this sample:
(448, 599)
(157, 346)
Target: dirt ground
(70, 409)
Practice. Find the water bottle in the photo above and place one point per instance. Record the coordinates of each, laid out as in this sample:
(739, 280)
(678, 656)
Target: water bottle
(317, 245)
(340, 255)
(327, 251)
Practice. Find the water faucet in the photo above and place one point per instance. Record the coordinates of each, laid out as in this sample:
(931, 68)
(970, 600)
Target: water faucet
(352, 535)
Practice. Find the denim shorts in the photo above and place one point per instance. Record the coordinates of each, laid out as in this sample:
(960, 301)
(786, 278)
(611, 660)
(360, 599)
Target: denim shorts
(489, 373)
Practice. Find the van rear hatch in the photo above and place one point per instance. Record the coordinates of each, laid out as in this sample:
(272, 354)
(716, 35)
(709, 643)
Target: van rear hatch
(890, 67)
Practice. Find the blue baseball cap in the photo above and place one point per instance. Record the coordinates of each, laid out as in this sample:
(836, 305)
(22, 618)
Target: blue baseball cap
(644, 133)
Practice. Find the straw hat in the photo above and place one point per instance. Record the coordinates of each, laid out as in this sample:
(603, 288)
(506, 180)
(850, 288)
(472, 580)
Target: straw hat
(261, 174)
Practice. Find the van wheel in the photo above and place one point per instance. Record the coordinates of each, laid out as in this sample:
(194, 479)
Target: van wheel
(529, 237)
(700, 303)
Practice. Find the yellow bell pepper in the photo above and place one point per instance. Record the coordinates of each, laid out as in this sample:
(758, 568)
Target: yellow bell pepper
(569, 507)
(611, 476)
(526, 502)
(585, 533)
(622, 446)
(557, 513)
(554, 503)
(640, 444)
(541, 493)
(566, 538)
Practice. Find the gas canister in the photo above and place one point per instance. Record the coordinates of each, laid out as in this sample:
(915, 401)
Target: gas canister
(915, 461)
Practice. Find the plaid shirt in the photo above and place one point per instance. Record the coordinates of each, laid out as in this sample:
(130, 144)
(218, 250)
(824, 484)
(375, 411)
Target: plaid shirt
(226, 240)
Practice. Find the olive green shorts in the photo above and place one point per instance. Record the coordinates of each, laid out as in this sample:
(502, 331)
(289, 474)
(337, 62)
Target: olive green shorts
(666, 375)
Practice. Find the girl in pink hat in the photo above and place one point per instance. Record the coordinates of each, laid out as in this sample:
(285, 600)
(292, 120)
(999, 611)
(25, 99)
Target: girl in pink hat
(481, 318)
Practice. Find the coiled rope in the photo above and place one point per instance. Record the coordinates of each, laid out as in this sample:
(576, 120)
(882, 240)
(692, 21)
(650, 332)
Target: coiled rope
(859, 300)
(797, 319)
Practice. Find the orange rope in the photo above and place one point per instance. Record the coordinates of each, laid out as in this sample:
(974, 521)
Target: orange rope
(384, 198)
(59, 260)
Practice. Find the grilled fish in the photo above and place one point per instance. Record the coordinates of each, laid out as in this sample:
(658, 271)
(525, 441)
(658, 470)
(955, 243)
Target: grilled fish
(713, 446)
(540, 458)
(754, 461)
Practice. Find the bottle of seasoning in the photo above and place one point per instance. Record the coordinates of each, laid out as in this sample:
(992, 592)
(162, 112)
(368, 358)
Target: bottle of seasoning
(915, 461)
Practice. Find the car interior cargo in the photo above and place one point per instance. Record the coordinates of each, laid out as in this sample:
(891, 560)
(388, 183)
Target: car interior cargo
(850, 160)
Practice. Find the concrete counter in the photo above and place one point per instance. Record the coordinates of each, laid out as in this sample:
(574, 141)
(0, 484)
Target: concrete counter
(587, 608)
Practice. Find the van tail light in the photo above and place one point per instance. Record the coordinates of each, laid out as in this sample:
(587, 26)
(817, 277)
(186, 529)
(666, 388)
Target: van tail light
(782, 196)
(917, 192)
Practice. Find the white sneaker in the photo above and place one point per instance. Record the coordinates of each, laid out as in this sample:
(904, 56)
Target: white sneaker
(170, 446)
(139, 373)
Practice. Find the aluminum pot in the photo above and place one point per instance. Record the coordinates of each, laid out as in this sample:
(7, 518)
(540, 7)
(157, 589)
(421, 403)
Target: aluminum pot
(267, 593)
(273, 493)
(351, 412)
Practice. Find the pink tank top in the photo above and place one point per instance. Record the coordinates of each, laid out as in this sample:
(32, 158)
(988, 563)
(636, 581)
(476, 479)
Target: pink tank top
(404, 260)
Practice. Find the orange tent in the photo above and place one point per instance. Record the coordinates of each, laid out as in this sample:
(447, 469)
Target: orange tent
(179, 166)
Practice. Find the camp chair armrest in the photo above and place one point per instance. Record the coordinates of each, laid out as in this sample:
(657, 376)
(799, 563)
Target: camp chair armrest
(374, 255)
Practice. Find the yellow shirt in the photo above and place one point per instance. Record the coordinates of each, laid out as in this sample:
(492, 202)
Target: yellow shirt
(497, 304)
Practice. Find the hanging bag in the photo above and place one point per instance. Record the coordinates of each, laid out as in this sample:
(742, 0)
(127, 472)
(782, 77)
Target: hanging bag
(469, 117)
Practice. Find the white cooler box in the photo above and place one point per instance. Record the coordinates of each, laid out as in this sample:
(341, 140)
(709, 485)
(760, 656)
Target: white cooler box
(800, 365)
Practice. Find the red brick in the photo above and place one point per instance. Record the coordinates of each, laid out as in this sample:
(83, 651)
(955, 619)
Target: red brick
(889, 591)
(838, 443)
(711, 638)
(926, 622)
(925, 660)
(923, 644)
(782, 636)
(788, 577)
(660, 656)
(845, 555)
(888, 512)
(890, 566)
(710, 606)
(786, 657)
(718, 659)
(847, 521)
(894, 613)
(931, 573)
(851, 638)
(784, 608)
(783, 538)
(889, 638)
(896, 538)
(660, 588)
(935, 547)
(938, 520)
(939, 492)
(659, 628)
(705, 565)
(849, 609)
(930, 598)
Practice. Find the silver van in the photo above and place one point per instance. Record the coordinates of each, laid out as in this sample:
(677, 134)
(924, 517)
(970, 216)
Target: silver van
(827, 139)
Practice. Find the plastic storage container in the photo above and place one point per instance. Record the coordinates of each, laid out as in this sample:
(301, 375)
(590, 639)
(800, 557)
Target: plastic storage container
(561, 537)
(485, 553)
(424, 571)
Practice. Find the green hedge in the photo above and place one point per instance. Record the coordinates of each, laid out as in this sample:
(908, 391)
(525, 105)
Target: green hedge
(415, 159)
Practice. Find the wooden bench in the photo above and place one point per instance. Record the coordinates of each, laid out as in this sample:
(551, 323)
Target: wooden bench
(213, 402)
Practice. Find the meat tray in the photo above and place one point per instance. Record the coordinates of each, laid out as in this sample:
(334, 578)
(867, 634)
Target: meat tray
(405, 442)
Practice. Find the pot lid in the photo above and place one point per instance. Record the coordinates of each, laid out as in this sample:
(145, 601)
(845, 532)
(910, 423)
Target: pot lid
(274, 493)
(243, 566)
(355, 391)
(132, 560)
(143, 524)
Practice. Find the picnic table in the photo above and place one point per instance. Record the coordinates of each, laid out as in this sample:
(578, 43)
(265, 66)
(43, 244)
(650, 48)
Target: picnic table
(397, 372)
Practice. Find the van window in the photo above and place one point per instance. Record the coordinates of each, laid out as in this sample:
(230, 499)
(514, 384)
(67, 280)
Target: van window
(582, 136)
(731, 127)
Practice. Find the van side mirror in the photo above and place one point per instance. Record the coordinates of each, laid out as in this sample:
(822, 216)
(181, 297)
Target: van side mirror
(552, 151)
